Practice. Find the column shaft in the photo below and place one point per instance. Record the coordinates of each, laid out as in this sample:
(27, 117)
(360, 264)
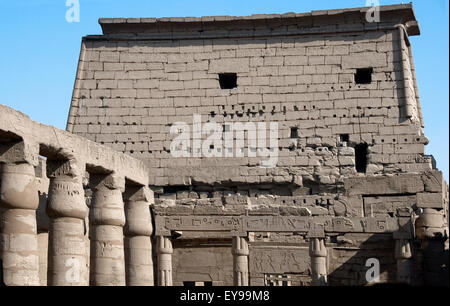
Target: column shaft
(318, 254)
(19, 200)
(165, 252)
(403, 256)
(107, 219)
(138, 246)
(67, 260)
(240, 261)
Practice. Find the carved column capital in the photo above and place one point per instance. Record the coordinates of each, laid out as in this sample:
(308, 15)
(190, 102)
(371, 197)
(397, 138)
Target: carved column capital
(137, 210)
(66, 193)
(107, 206)
(431, 225)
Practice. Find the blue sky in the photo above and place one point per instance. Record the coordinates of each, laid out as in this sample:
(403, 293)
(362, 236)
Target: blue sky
(39, 50)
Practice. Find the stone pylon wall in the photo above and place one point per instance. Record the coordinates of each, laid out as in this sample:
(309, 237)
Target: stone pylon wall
(133, 85)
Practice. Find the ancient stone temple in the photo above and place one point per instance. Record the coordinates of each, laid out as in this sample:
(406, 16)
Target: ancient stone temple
(277, 150)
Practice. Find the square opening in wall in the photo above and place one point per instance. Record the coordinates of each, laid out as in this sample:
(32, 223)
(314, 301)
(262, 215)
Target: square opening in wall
(363, 75)
(294, 132)
(228, 80)
(344, 137)
(361, 151)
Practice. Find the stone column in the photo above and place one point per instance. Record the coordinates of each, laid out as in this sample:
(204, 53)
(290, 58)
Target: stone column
(106, 219)
(403, 255)
(430, 229)
(19, 200)
(318, 254)
(165, 252)
(240, 261)
(67, 260)
(138, 229)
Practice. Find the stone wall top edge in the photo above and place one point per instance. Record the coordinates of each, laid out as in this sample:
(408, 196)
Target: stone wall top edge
(408, 8)
(70, 146)
(166, 24)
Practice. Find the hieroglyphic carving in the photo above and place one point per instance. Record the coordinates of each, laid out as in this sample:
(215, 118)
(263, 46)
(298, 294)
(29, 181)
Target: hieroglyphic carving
(165, 224)
(276, 224)
(341, 224)
(243, 224)
(269, 260)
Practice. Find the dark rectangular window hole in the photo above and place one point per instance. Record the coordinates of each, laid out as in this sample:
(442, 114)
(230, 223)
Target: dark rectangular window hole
(294, 132)
(228, 80)
(363, 75)
(189, 284)
(361, 157)
(344, 137)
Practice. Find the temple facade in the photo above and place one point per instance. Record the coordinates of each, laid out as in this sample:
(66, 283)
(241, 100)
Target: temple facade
(270, 150)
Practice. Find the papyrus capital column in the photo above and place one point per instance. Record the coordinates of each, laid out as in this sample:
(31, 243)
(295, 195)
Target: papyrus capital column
(318, 255)
(19, 200)
(240, 261)
(106, 219)
(165, 251)
(67, 210)
(138, 229)
(403, 255)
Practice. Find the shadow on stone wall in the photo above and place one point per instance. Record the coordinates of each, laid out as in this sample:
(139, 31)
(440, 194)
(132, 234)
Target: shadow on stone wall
(429, 262)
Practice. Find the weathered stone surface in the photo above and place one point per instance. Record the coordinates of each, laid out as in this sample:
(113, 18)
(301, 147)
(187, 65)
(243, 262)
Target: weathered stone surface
(283, 79)
(349, 175)
(400, 184)
(430, 200)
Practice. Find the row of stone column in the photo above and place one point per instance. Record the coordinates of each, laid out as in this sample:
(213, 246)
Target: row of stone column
(119, 231)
